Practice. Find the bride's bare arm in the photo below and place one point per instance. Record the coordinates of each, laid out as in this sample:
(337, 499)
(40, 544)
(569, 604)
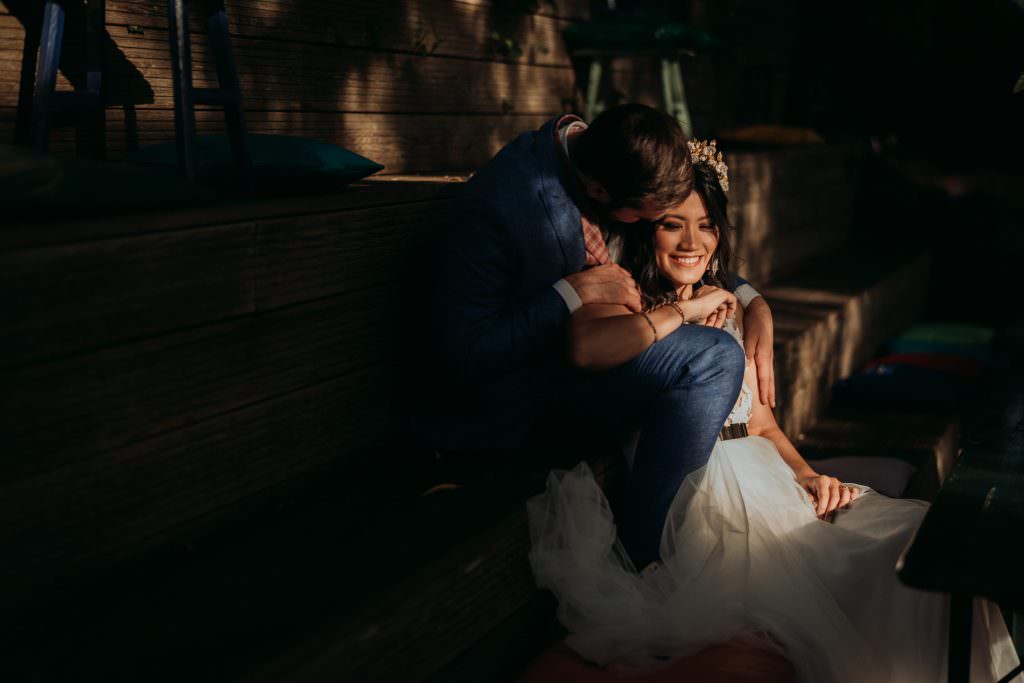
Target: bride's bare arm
(762, 423)
(827, 492)
(601, 336)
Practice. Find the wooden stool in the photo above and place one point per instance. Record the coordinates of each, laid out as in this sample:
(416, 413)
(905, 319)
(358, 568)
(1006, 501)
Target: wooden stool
(616, 34)
(228, 95)
(87, 99)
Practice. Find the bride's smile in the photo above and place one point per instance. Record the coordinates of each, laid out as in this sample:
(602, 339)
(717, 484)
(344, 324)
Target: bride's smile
(685, 242)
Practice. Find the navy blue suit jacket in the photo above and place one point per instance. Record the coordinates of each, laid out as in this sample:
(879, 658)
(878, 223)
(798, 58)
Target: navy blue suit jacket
(499, 323)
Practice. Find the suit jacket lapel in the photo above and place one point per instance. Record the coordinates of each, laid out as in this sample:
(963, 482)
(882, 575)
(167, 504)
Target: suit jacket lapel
(562, 211)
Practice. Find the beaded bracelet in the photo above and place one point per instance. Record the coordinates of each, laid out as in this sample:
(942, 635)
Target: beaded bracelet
(651, 323)
(675, 305)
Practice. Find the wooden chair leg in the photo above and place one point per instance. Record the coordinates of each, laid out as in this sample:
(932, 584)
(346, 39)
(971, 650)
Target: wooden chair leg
(46, 73)
(227, 77)
(94, 33)
(675, 93)
(181, 67)
(593, 105)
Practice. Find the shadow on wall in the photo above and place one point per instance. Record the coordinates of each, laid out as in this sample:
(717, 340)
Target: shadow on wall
(417, 85)
(125, 87)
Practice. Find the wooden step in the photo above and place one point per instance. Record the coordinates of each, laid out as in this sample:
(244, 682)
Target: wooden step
(230, 348)
(309, 592)
(490, 657)
(831, 317)
(171, 378)
(929, 441)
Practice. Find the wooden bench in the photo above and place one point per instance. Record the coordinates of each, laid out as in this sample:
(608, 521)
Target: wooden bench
(965, 546)
(208, 464)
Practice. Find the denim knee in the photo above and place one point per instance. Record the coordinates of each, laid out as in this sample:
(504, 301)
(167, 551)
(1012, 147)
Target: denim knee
(729, 356)
(710, 355)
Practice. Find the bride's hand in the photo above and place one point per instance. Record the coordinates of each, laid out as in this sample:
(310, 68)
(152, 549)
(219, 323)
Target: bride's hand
(827, 493)
(710, 306)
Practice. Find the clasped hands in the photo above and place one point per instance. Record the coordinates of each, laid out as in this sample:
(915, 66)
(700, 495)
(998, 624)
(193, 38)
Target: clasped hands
(612, 284)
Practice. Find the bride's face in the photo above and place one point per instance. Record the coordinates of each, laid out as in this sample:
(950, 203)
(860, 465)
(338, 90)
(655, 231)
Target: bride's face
(685, 242)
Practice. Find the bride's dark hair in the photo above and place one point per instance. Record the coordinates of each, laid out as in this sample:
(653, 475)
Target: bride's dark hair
(638, 244)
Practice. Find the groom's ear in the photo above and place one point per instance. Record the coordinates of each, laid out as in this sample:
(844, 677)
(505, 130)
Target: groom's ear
(596, 191)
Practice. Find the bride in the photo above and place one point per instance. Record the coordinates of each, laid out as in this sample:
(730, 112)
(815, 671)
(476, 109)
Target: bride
(757, 546)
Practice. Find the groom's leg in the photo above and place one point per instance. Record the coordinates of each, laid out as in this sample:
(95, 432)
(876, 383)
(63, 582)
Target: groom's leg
(680, 390)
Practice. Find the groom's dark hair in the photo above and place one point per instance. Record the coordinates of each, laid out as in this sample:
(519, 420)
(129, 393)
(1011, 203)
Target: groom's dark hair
(639, 154)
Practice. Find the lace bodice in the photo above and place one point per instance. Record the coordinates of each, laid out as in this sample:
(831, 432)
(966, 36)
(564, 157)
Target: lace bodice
(745, 402)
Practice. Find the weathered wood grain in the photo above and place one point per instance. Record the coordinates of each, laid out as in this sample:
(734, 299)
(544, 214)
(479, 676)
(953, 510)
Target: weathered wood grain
(402, 143)
(62, 299)
(831, 317)
(89, 515)
(417, 26)
(434, 615)
(330, 78)
(376, 192)
(73, 408)
(441, 58)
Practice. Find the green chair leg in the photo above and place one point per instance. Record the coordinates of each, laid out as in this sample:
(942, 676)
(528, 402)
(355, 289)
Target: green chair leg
(675, 93)
(593, 105)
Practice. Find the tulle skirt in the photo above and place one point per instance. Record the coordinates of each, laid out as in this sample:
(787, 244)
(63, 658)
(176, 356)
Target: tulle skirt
(745, 558)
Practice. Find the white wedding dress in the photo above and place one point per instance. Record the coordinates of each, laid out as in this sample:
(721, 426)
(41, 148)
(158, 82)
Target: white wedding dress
(743, 556)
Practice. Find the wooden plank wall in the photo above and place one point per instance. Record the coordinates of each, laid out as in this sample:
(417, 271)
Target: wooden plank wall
(156, 374)
(418, 85)
(159, 369)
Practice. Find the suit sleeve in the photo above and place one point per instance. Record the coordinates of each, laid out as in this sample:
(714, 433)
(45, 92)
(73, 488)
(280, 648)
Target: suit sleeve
(487, 328)
(744, 291)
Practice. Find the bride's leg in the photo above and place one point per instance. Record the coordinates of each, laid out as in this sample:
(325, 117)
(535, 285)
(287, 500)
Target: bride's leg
(680, 390)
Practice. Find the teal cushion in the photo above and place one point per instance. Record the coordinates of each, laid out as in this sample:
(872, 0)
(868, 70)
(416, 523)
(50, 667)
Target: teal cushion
(274, 157)
(627, 33)
(937, 333)
(44, 185)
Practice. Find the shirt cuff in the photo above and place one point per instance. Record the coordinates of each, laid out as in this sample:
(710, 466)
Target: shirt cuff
(745, 294)
(572, 300)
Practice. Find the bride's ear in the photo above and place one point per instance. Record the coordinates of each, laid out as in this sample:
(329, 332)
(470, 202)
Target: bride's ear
(595, 190)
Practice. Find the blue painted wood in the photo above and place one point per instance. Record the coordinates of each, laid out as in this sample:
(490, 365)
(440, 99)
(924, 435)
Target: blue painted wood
(181, 67)
(46, 73)
(87, 98)
(227, 95)
(95, 32)
(227, 78)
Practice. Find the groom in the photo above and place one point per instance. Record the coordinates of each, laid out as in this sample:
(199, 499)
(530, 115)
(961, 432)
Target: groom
(529, 242)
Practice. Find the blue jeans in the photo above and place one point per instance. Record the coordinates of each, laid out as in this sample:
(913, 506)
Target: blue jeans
(679, 392)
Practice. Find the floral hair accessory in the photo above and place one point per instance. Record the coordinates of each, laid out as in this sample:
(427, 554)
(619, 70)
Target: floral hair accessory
(706, 152)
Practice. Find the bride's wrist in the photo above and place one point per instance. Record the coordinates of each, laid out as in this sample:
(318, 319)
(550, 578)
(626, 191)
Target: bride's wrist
(684, 309)
(677, 306)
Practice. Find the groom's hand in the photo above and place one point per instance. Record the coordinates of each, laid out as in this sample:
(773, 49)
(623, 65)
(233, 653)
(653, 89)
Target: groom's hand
(759, 344)
(607, 284)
